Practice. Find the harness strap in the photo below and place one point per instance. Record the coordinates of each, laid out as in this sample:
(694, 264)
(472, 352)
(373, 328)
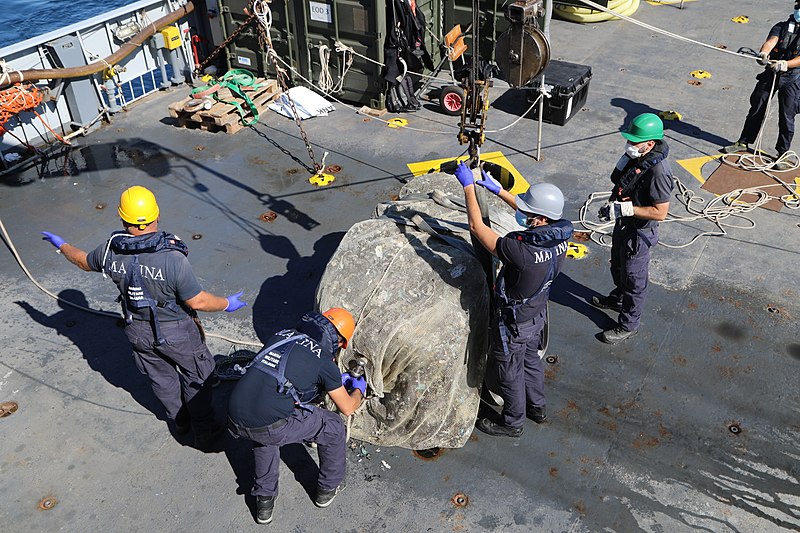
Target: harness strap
(285, 386)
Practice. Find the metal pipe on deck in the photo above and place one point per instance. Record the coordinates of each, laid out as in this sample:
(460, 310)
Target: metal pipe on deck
(16, 76)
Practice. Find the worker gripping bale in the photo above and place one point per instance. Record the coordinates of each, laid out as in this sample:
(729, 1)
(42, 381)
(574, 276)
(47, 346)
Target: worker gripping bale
(274, 403)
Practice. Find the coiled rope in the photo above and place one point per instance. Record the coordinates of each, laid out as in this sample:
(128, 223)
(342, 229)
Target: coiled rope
(584, 15)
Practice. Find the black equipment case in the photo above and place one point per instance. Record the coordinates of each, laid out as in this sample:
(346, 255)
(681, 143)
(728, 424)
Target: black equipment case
(568, 84)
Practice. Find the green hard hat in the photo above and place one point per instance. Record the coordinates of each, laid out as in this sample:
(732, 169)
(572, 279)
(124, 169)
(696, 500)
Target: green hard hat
(645, 127)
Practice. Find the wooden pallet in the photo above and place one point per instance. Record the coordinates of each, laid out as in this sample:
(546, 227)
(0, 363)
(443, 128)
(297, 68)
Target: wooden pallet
(222, 116)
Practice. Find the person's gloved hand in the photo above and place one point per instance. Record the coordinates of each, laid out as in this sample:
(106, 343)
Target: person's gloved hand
(780, 66)
(359, 383)
(464, 175)
(615, 210)
(763, 58)
(234, 303)
(346, 380)
(53, 239)
(489, 183)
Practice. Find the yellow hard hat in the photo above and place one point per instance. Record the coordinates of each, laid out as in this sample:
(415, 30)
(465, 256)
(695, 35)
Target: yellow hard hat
(137, 205)
(343, 322)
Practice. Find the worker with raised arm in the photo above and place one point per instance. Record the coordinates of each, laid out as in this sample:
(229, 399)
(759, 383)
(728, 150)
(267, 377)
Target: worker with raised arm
(275, 403)
(160, 297)
(531, 259)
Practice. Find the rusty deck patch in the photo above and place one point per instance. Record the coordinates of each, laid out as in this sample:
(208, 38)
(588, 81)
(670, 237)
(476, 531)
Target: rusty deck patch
(460, 499)
(47, 503)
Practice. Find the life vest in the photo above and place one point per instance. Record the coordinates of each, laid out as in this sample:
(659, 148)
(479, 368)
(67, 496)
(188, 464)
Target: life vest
(550, 239)
(626, 181)
(788, 46)
(136, 295)
(272, 360)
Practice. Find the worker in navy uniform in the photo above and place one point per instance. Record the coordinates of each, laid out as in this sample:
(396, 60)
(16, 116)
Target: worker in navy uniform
(531, 259)
(640, 199)
(780, 54)
(274, 403)
(160, 296)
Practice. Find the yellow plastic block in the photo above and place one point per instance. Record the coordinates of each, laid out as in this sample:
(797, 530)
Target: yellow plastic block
(172, 37)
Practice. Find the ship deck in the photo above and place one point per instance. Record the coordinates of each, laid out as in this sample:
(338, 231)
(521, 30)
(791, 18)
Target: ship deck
(691, 425)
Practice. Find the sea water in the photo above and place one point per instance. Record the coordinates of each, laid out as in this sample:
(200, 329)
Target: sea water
(23, 19)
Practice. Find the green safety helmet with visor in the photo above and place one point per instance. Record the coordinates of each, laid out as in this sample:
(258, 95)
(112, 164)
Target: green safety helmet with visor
(644, 127)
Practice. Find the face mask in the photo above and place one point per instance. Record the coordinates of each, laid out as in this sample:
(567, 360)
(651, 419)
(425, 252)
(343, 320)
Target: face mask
(632, 152)
(797, 15)
(522, 218)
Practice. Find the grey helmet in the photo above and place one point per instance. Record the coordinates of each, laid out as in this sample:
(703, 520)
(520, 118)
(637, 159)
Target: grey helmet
(542, 199)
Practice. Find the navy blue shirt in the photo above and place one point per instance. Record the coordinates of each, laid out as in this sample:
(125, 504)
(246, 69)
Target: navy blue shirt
(527, 265)
(255, 401)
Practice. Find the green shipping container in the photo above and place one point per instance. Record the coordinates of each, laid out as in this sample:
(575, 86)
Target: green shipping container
(299, 27)
(245, 51)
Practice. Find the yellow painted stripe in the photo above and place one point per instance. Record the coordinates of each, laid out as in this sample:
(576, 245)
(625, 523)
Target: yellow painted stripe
(694, 165)
(434, 165)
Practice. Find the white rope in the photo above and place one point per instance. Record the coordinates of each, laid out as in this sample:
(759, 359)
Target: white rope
(598, 7)
(756, 161)
(263, 14)
(358, 111)
(730, 205)
(6, 70)
(325, 79)
(347, 62)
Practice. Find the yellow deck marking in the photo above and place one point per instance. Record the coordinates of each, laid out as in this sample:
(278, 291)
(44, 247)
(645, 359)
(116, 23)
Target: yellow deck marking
(520, 183)
(796, 194)
(694, 165)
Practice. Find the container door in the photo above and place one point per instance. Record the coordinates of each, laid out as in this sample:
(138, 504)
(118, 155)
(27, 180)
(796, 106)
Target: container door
(492, 20)
(246, 51)
(358, 24)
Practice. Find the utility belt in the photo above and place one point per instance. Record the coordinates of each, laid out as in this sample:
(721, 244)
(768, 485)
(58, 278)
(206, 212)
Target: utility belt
(238, 431)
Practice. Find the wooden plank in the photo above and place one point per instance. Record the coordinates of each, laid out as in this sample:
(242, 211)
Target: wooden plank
(223, 116)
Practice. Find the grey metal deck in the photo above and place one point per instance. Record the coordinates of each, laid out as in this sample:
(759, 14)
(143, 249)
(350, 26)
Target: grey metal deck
(638, 437)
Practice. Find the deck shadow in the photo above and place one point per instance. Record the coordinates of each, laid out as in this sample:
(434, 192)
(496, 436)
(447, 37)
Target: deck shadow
(102, 352)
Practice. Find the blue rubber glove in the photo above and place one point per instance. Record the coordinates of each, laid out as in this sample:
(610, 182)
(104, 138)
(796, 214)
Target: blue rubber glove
(53, 239)
(359, 383)
(464, 175)
(489, 183)
(346, 380)
(234, 303)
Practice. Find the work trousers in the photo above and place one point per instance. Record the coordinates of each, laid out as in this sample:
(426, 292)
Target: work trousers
(630, 270)
(321, 426)
(178, 369)
(788, 87)
(515, 369)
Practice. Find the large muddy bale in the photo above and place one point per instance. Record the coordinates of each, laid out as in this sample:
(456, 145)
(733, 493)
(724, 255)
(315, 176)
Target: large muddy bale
(421, 306)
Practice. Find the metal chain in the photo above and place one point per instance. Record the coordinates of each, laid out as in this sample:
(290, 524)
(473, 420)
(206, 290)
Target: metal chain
(266, 43)
(249, 20)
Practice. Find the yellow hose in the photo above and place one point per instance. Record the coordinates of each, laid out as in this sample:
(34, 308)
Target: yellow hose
(587, 15)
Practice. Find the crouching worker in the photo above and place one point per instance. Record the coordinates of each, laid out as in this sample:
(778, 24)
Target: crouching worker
(531, 260)
(273, 403)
